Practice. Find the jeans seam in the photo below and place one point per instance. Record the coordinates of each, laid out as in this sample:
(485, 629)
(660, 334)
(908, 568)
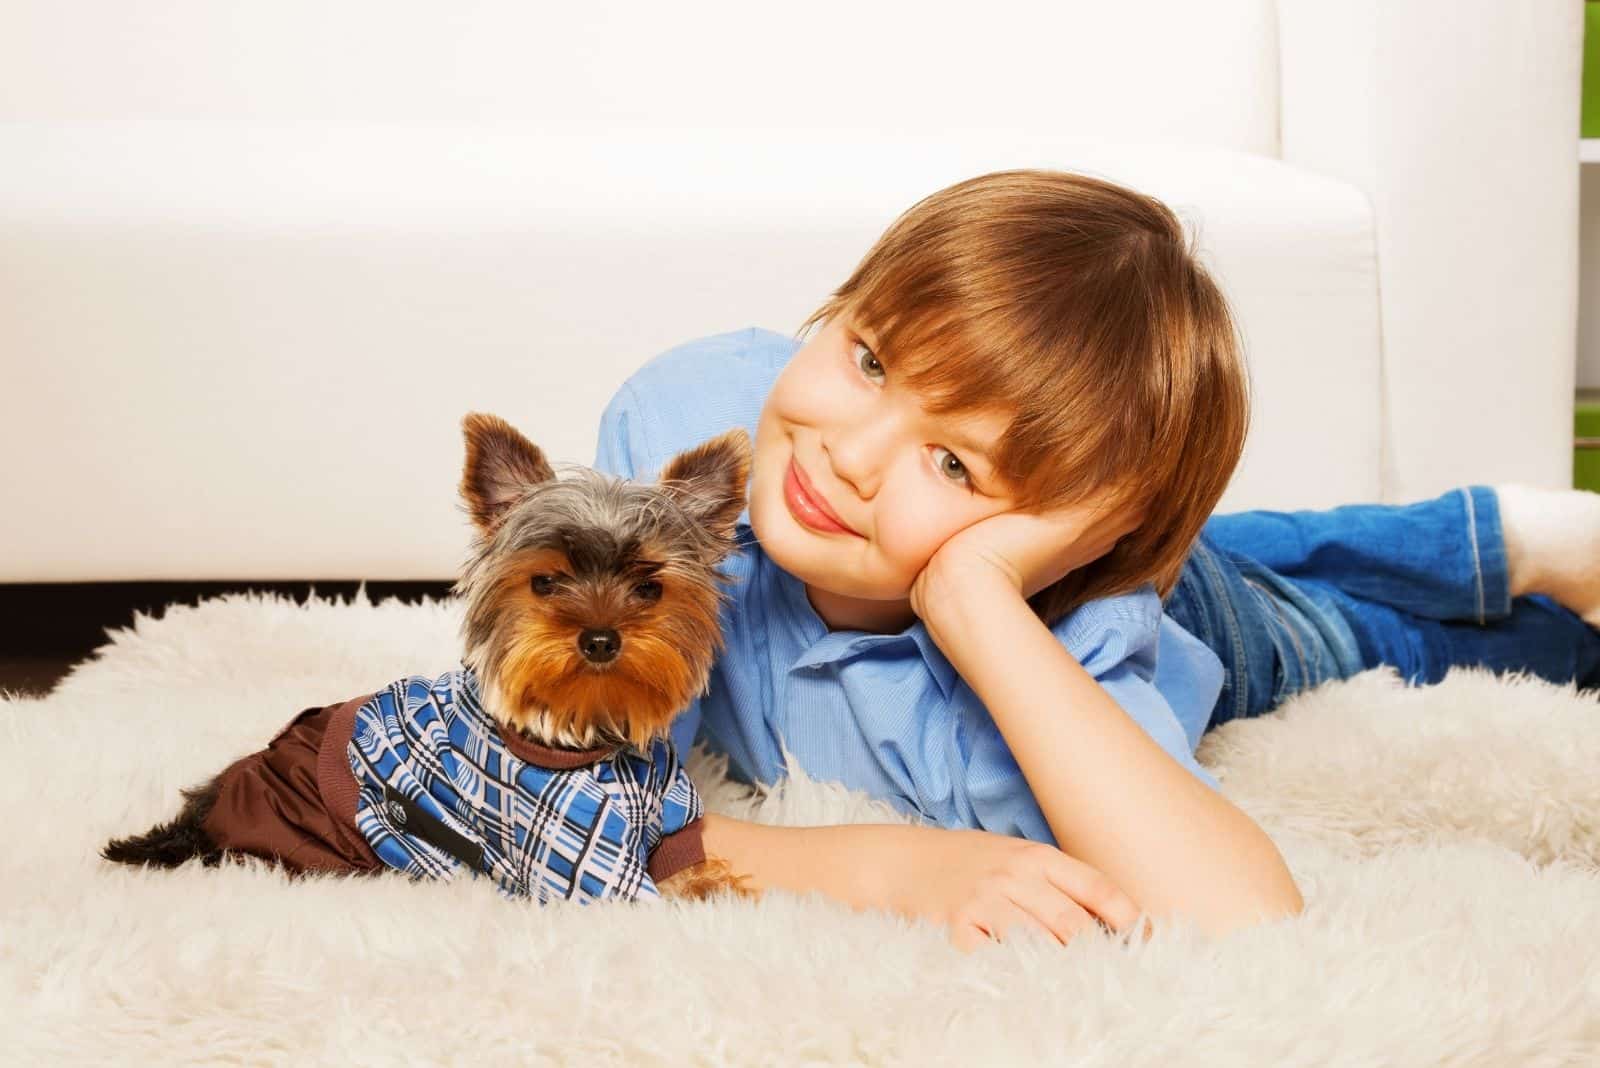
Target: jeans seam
(1477, 564)
(1284, 626)
(1241, 680)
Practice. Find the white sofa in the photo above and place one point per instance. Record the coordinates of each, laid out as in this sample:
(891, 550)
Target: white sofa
(256, 260)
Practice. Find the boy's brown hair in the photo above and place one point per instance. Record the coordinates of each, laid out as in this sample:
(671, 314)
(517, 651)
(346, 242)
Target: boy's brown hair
(1075, 306)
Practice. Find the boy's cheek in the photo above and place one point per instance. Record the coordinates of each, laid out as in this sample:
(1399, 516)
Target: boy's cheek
(813, 406)
(815, 394)
(908, 541)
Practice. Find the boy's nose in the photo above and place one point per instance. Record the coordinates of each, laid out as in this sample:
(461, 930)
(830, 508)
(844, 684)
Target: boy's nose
(852, 458)
(857, 448)
(857, 467)
(599, 646)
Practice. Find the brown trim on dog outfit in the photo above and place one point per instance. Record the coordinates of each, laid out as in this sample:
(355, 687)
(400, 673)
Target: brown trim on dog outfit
(337, 782)
(540, 755)
(677, 851)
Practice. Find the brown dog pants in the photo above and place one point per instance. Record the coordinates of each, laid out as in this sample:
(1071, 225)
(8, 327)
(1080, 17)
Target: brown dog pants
(295, 800)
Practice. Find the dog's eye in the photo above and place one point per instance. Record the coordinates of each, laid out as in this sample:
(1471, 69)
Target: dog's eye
(544, 585)
(649, 590)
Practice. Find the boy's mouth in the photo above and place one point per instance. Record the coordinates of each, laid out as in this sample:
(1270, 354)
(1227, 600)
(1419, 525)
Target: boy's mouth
(807, 506)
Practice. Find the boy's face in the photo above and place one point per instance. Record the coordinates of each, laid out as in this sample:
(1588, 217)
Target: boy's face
(902, 480)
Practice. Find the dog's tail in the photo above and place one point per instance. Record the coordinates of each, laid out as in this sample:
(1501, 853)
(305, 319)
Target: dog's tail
(166, 845)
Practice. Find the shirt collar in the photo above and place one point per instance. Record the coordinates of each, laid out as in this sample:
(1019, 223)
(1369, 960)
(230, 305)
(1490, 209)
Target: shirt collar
(827, 646)
(543, 756)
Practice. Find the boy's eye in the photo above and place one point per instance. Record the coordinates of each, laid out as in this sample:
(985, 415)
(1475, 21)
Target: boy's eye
(951, 466)
(867, 362)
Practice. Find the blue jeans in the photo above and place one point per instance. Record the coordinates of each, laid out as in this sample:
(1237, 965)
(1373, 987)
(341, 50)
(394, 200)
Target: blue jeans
(1289, 600)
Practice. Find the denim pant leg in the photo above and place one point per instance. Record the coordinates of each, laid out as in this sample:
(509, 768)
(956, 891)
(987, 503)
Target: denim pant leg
(1279, 634)
(1537, 637)
(1439, 559)
(1273, 636)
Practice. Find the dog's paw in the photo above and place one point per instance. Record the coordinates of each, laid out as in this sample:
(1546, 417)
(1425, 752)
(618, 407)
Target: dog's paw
(706, 879)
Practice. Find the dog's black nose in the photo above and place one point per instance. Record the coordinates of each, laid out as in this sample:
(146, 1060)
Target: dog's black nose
(599, 646)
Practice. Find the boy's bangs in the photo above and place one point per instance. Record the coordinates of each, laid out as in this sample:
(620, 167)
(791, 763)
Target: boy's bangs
(1057, 448)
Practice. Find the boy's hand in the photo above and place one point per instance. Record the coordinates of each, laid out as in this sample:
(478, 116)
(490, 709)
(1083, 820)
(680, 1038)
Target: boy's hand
(982, 885)
(1028, 550)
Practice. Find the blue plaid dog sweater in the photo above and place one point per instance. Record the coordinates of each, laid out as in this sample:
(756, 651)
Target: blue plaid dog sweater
(441, 789)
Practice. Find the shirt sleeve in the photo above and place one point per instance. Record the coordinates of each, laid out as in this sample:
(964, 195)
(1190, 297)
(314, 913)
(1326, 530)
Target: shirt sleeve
(1139, 698)
(1116, 643)
(681, 805)
(620, 448)
(680, 844)
(684, 396)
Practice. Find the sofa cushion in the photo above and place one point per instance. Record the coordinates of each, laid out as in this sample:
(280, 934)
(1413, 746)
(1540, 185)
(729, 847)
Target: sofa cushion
(246, 347)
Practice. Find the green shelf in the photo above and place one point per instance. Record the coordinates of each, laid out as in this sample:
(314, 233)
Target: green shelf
(1586, 440)
(1589, 121)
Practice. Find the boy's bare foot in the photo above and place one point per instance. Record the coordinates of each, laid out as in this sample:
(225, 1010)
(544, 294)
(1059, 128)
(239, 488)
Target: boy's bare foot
(1552, 541)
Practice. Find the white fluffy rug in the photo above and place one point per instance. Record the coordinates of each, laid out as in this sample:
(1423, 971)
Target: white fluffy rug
(1446, 839)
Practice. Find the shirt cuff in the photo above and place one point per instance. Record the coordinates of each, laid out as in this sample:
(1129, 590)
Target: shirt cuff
(677, 851)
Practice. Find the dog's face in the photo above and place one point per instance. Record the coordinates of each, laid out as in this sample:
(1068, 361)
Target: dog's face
(592, 604)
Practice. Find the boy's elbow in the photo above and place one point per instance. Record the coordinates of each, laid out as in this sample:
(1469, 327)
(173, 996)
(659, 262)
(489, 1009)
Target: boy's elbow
(1270, 892)
(1218, 924)
(1284, 903)
(1256, 888)
(1280, 901)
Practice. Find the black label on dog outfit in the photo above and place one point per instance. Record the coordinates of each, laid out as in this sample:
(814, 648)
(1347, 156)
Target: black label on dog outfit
(412, 818)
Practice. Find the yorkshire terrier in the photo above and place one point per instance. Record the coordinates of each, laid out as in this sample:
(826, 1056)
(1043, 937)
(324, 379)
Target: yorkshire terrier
(591, 618)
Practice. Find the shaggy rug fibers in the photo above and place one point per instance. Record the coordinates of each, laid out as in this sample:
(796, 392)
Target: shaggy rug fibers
(1446, 839)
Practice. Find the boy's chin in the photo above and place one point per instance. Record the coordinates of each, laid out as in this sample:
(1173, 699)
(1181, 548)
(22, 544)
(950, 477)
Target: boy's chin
(815, 566)
(819, 560)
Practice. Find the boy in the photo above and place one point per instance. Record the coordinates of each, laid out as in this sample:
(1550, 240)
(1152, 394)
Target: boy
(972, 488)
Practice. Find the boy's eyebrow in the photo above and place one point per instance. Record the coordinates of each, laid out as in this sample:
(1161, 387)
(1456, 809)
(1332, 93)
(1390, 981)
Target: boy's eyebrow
(977, 447)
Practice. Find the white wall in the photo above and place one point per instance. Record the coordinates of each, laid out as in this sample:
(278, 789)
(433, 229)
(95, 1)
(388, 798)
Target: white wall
(1160, 70)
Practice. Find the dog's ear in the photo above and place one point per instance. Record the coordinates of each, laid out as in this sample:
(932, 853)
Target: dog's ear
(502, 466)
(709, 480)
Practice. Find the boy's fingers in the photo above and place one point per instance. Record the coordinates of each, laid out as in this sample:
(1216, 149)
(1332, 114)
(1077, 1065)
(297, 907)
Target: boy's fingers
(966, 937)
(1093, 890)
(1051, 908)
(1006, 916)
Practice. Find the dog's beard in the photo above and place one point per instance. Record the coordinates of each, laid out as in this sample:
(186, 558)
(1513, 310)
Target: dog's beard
(545, 728)
(543, 725)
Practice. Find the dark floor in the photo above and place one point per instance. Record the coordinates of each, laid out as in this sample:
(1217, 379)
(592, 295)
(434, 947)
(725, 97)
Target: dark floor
(33, 676)
(47, 628)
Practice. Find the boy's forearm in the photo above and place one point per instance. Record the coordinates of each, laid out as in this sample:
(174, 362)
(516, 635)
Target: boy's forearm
(832, 860)
(1113, 797)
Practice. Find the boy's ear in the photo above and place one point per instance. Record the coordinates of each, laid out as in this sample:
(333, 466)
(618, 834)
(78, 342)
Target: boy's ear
(708, 481)
(502, 466)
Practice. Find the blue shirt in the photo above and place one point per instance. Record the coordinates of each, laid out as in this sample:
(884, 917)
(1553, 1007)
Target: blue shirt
(442, 790)
(883, 713)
